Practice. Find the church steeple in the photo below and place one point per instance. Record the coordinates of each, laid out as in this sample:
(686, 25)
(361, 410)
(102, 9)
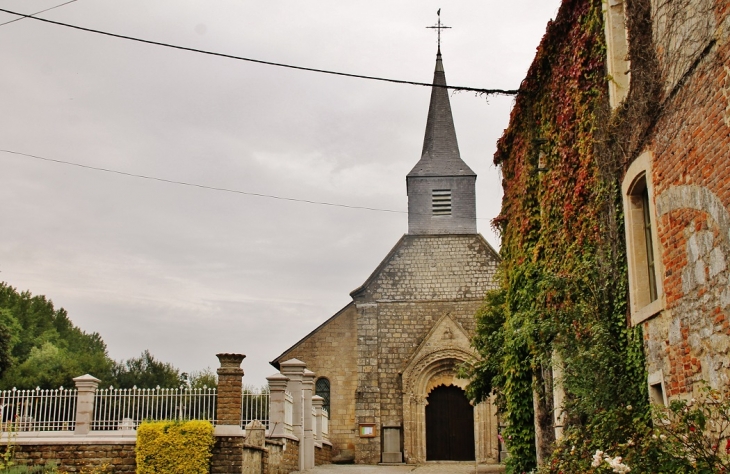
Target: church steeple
(440, 155)
(441, 187)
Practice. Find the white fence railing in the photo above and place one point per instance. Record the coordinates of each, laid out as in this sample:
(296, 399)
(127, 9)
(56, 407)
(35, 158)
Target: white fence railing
(38, 410)
(288, 412)
(314, 419)
(255, 406)
(325, 424)
(126, 408)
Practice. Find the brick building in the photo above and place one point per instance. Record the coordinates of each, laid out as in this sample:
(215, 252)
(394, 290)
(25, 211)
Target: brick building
(387, 363)
(619, 139)
(677, 194)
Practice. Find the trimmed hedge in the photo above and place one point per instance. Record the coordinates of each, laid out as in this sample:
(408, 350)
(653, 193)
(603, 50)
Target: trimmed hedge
(172, 447)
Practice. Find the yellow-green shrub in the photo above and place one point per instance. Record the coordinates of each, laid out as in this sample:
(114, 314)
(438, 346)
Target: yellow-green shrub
(172, 447)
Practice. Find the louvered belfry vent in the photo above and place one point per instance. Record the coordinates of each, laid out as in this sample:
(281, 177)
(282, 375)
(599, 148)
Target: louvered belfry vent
(441, 202)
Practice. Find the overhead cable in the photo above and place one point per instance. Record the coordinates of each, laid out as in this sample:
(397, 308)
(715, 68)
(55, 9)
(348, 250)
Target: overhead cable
(196, 185)
(203, 186)
(269, 63)
(36, 13)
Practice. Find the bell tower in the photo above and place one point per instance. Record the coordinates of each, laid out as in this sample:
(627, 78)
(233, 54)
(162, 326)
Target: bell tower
(441, 187)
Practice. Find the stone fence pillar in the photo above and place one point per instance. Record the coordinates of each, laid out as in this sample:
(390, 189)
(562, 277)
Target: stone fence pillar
(228, 405)
(294, 370)
(317, 403)
(308, 424)
(86, 386)
(277, 408)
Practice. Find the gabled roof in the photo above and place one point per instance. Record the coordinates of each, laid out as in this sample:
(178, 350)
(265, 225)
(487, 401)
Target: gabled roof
(440, 155)
(404, 252)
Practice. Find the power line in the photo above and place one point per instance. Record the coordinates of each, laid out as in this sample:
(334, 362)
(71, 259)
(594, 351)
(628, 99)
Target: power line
(268, 63)
(196, 185)
(203, 186)
(36, 13)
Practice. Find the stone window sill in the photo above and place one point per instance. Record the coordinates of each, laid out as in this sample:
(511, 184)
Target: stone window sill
(647, 312)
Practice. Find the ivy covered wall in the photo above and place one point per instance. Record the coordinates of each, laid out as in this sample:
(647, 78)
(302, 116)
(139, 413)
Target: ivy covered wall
(563, 280)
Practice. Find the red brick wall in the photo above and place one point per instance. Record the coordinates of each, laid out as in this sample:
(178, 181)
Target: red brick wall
(689, 340)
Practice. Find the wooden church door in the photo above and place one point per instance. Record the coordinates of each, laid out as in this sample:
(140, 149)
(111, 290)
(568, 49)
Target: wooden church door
(449, 425)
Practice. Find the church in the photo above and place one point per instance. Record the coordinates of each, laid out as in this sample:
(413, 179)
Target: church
(387, 363)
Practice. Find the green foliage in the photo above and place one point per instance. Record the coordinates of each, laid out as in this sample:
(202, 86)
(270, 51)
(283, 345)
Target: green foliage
(563, 278)
(206, 378)
(145, 372)
(489, 338)
(44, 348)
(40, 347)
(687, 437)
(173, 447)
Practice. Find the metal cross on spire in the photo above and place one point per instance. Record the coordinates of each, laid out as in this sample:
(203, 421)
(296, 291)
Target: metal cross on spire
(438, 27)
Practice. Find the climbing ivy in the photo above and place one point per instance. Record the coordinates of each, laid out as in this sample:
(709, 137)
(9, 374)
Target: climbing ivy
(563, 276)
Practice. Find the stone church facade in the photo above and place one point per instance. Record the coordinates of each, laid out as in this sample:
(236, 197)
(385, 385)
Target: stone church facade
(387, 363)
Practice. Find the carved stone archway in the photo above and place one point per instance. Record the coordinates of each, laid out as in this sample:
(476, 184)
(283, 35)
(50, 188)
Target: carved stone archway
(436, 362)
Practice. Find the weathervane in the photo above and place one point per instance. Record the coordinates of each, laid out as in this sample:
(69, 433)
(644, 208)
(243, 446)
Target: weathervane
(438, 27)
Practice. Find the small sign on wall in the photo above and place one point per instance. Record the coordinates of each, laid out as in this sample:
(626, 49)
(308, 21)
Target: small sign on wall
(367, 430)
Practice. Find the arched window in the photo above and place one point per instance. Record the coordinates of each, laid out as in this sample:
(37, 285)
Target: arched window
(322, 388)
(645, 274)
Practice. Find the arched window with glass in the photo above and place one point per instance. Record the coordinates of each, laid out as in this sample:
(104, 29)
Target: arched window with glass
(322, 388)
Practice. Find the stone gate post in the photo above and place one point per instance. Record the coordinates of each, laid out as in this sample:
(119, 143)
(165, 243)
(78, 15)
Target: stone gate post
(294, 370)
(86, 386)
(308, 424)
(228, 404)
(277, 410)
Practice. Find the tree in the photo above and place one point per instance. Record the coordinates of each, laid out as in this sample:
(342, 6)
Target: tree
(145, 372)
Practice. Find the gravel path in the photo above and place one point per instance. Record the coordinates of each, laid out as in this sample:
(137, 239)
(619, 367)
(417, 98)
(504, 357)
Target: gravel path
(428, 468)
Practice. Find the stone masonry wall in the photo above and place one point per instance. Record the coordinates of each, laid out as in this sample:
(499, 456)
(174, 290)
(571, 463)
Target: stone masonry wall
(401, 328)
(463, 205)
(363, 349)
(281, 456)
(74, 457)
(330, 352)
(323, 455)
(424, 278)
(689, 340)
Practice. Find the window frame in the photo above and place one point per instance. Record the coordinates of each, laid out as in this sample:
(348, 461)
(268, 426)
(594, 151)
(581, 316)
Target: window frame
(637, 181)
(327, 403)
(617, 51)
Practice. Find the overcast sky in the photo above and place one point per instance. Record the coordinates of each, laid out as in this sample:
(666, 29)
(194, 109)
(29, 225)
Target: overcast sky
(188, 272)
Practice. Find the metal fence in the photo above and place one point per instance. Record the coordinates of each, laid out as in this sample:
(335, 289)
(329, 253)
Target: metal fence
(126, 408)
(38, 410)
(255, 406)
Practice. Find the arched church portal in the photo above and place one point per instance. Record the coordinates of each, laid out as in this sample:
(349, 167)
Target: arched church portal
(426, 382)
(449, 425)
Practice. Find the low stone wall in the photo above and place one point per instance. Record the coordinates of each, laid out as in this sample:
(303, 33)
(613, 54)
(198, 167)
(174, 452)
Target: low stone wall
(74, 455)
(323, 454)
(230, 454)
(281, 456)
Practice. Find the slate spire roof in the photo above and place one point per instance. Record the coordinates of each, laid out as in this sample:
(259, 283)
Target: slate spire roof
(440, 155)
